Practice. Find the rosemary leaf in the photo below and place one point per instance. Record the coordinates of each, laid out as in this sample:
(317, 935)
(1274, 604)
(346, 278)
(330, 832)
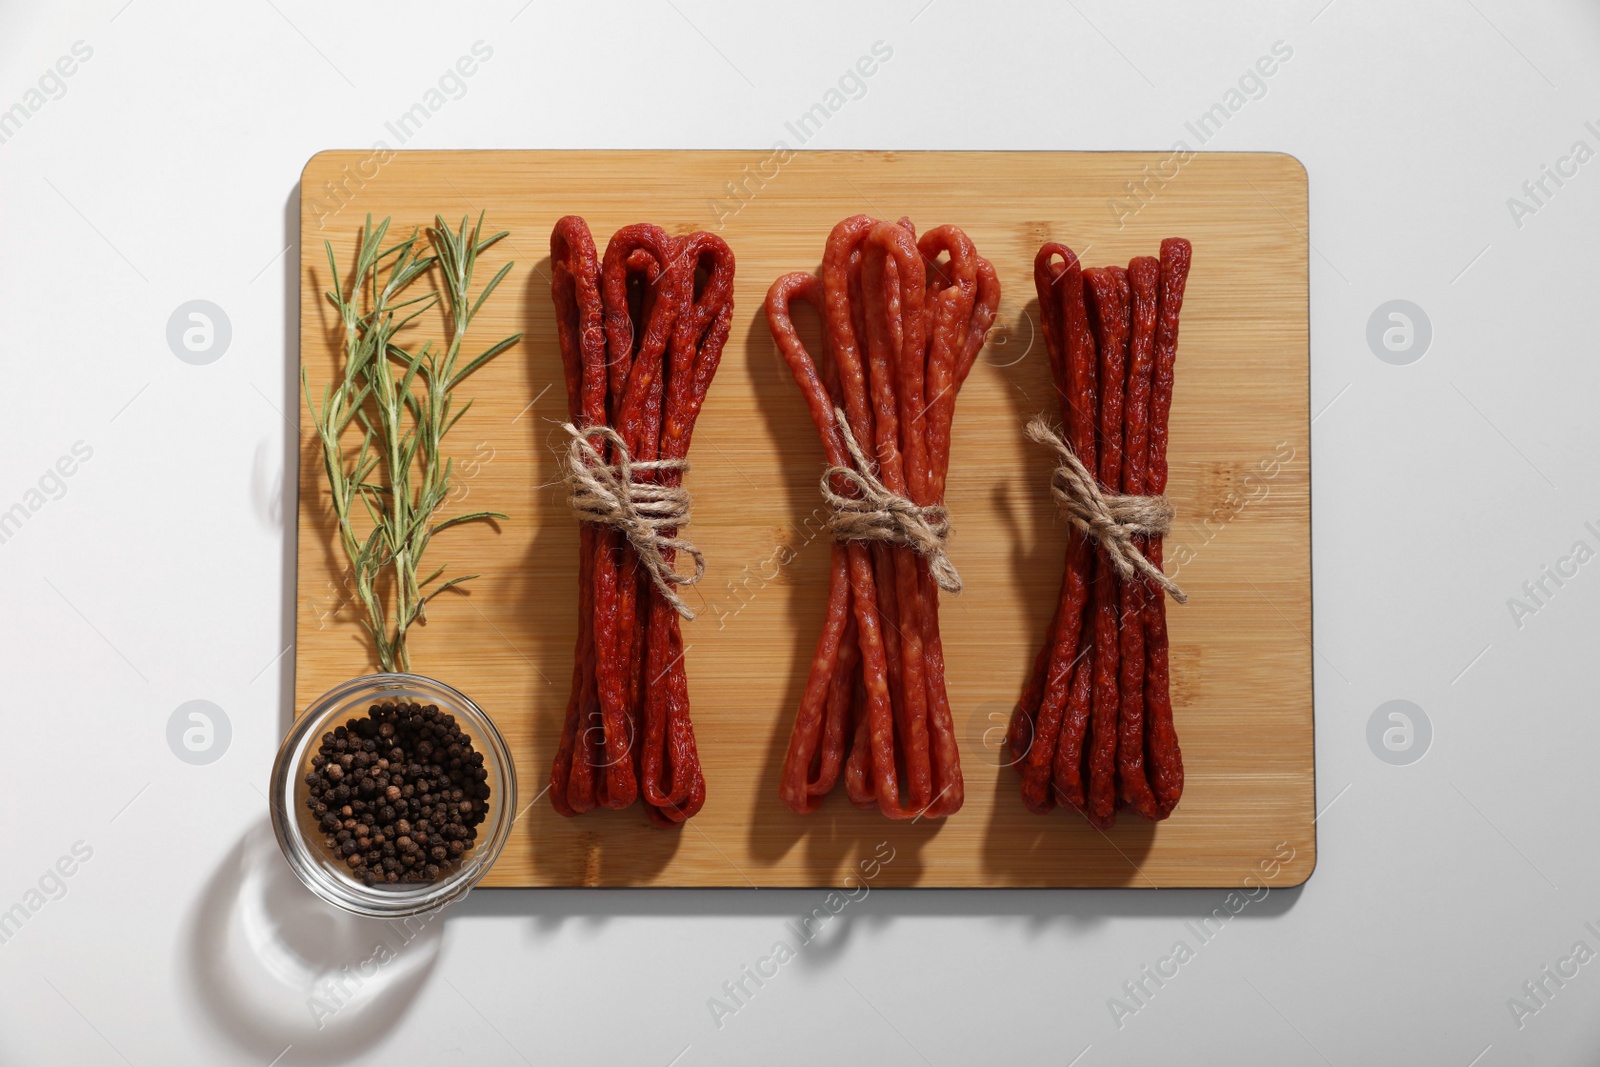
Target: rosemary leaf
(473, 517)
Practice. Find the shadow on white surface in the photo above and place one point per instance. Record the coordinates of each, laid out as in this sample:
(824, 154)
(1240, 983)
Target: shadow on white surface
(274, 967)
(550, 908)
(282, 502)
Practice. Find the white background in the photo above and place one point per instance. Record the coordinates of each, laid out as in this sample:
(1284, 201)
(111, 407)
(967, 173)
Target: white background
(167, 172)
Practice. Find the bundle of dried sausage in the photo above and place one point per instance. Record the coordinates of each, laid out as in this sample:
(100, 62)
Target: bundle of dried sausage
(641, 334)
(1094, 723)
(903, 320)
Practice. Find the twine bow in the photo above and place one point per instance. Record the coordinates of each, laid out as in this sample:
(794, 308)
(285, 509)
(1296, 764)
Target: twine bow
(608, 495)
(877, 514)
(1112, 520)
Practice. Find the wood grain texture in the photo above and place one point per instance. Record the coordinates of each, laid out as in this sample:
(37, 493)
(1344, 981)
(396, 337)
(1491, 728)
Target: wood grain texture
(1240, 460)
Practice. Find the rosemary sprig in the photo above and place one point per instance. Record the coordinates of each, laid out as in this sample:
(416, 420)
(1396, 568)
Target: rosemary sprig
(404, 404)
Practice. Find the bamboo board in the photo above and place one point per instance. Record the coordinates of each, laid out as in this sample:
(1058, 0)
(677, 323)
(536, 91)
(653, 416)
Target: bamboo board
(1240, 478)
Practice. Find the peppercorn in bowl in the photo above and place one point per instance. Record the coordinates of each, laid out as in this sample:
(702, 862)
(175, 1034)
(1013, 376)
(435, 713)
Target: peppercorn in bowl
(392, 795)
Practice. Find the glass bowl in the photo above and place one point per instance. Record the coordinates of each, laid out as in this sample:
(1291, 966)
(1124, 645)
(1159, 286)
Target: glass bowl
(302, 841)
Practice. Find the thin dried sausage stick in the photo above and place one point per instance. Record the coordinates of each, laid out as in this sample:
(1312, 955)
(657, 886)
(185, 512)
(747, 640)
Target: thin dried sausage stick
(1166, 760)
(845, 326)
(895, 347)
(1105, 291)
(859, 784)
(967, 294)
(838, 718)
(698, 337)
(586, 783)
(1046, 274)
(574, 289)
(836, 723)
(1052, 771)
(633, 379)
(1065, 291)
(1143, 279)
(846, 293)
(945, 753)
(953, 293)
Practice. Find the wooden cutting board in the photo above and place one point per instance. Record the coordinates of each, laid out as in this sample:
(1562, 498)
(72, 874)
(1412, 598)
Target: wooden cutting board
(1240, 463)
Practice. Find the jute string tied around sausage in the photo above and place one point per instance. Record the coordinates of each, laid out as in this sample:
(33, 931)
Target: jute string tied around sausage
(608, 494)
(1112, 520)
(878, 514)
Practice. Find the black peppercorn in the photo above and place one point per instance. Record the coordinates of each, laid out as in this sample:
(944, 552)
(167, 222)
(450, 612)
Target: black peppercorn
(427, 786)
